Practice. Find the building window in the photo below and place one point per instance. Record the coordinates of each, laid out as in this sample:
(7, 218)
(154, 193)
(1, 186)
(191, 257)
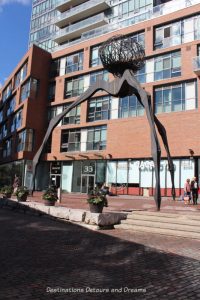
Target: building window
(1, 116)
(11, 106)
(70, 140)
(51, 91)
(29, 89)
(74, 87)
(177, 97)
(130, 107)
(176, 33)
(96, 138)
(74, 62)
(7, 148)
(99, 109)
(94, 56)
(21, 74)
(7, 92)
(55, 68)
(16, 121)
(73, 117)
(5, 130)
(98, 75)
(167, 66)
(141, 75)
(25, 140)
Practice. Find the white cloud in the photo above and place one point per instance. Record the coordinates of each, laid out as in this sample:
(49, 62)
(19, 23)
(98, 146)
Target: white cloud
(6, 2)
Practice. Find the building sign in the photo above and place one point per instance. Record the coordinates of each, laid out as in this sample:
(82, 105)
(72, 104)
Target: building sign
(88, 168)
(56, 167)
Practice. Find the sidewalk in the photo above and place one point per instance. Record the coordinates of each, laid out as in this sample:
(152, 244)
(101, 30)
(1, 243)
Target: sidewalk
(126, 203)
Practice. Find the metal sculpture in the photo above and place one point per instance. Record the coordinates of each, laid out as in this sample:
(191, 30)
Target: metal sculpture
(122, 57)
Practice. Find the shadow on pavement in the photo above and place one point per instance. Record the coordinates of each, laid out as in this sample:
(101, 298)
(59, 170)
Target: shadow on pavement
(37, 254)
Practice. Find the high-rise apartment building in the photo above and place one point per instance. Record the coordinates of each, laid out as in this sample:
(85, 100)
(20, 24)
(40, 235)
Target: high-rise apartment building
(105, 139)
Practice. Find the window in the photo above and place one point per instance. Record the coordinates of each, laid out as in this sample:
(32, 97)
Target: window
(51, 91)
(130, 107)
(20, 76)
(167, 66)
(16, 121)
(94, 56)
(29, 89)
(169, 35)
(70, 140)
(5, 130)
(74, 87)
(74, 62)
(73, 117)
(11, 106)
(177, 97)
(99, 109)
(141, 75)
(98, 75)
(96, 138)
(25, 140)
(7, 92)
(1, 116)
(7, 147)
(55, 68)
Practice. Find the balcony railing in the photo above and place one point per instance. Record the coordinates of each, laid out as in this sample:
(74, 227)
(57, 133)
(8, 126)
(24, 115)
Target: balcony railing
(134, 18)
(81, 12)
(75, 30)
(196, 65)
(63, 5)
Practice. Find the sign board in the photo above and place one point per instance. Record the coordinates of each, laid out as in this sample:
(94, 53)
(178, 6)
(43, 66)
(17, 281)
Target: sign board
(56, 167)
(88, 168)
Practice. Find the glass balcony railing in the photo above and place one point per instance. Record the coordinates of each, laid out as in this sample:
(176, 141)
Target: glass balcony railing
(63, 5)
(134, 18)
(81, 11)
(196, 65)
(75, 30)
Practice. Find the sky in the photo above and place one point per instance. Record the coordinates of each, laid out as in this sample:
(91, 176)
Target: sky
(14, 34)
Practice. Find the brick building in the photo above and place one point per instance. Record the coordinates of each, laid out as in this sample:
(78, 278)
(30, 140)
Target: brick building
(105, 139)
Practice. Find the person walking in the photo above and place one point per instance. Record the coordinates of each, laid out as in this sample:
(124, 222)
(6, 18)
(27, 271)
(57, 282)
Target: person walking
(194, 190)
(187, 191)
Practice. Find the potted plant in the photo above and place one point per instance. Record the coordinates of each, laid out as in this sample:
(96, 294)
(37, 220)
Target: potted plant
(97, 200)
(7, 191)
(50, 196)
(22, 193)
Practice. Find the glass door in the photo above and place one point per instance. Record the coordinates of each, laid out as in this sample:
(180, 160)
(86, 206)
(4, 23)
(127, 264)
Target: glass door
(87, 183)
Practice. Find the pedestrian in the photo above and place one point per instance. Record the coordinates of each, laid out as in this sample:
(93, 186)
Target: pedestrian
(187, 191)
(16, 183)
(194, 190)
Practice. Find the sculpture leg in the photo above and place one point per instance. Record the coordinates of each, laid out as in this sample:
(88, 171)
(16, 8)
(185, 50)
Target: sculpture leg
(155, 146)
(163, 135)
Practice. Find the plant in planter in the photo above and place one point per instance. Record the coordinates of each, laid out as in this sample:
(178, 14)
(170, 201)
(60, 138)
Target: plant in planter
(97, 200)
(22, 193)
(6, 191)
(50, 196)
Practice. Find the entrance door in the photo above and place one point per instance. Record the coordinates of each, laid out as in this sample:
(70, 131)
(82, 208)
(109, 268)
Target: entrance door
(55, 180)
(87, 183)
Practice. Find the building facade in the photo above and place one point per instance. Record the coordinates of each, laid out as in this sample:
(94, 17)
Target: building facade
(107, 139)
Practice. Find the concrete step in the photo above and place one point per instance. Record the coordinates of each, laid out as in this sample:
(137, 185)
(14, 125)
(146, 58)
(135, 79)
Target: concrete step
(168, 232)
(157, 213)
(178, 219)
(163, 225)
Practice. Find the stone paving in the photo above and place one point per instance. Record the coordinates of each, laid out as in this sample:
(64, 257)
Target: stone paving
(41, 258)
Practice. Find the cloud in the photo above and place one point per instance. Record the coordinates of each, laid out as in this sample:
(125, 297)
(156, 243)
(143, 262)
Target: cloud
(6, 2)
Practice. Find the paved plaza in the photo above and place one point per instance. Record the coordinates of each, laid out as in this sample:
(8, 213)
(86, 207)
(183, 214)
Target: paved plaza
(42, 258)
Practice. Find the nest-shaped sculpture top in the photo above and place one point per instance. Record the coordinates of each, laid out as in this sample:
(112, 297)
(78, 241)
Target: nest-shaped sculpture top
(120, 53)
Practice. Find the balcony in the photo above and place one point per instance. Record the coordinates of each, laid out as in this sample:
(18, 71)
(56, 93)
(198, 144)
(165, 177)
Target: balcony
(63, 5)
(196, 65)
(75, 30)
(81, 12)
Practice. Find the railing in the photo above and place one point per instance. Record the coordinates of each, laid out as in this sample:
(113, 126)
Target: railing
(79, 25)
(77, 9)
(134, 18)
